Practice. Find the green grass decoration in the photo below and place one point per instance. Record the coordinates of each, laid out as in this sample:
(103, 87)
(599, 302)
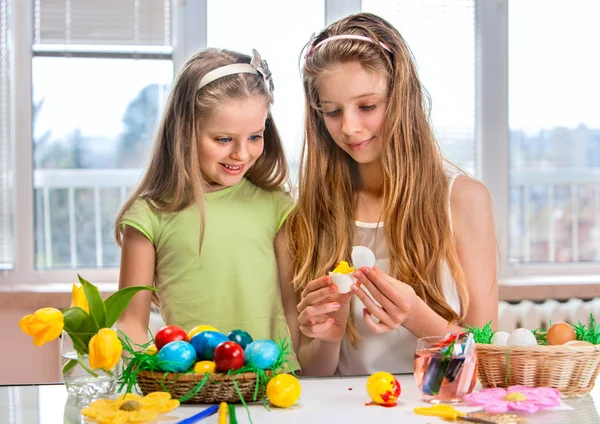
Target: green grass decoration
(590, 334)
(540, 335)
(483, 334)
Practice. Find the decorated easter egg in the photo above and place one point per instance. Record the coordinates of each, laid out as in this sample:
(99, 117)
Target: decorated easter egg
(206, 342)
(204, 367)
(177, 356)
(241, 337)
(499, 338)
(283, 390)
(262, 353)
(200, 329)
(560, 333)
(229, 356)
(169, 334)
(362, 257)
(383, 388)
(578, 343)
(521, 337)
(151, 350)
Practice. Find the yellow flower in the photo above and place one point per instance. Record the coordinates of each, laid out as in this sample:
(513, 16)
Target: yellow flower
(78, 298)
(131, 408)
(105, 349)
(44, 325)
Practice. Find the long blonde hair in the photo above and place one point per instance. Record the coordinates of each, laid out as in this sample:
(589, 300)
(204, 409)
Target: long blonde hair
(173, 179)
(417, 226)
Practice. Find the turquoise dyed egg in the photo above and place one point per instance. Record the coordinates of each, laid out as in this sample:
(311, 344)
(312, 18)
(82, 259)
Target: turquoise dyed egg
(241, 337)
(177, 356)
(262, 354)
(206, 342)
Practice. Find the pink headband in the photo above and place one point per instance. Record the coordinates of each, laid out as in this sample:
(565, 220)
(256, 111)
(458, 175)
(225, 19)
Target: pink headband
(341, 37)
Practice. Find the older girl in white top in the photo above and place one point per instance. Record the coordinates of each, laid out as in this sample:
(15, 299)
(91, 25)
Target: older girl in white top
(372, 174)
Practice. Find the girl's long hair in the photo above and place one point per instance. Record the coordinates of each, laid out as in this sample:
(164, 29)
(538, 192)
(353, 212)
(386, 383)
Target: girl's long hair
(173, 179)
(417, 225)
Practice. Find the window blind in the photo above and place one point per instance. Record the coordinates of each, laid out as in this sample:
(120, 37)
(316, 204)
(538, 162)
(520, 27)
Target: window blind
(6, 198)
(93, 23)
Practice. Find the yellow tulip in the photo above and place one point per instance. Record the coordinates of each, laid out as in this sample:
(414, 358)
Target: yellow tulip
(78, 298)
(105, 349)
(44, 325)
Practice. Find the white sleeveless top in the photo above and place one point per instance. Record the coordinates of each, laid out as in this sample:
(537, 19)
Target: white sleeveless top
(392, 351)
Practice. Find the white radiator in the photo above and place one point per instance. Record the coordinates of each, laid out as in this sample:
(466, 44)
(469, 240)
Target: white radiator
(538, 315)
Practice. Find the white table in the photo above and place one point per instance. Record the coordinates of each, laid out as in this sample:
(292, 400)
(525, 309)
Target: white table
(323, 400)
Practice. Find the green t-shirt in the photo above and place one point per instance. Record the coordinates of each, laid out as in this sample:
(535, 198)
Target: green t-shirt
(233, 283)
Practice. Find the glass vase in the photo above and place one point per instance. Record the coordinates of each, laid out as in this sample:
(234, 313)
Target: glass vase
(84, 383)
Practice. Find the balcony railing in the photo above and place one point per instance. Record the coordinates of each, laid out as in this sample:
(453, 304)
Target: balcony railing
(522, 235)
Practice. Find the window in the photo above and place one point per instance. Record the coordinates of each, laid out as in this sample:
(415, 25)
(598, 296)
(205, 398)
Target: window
(101, 73)
(441, 36)
(6, 171)
(278, 31)
(554, 148)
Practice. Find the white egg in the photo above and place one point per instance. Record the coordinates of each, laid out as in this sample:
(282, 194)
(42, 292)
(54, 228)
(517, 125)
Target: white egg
(362, 257)
(342, 281)
(521, 337)
(499, 338)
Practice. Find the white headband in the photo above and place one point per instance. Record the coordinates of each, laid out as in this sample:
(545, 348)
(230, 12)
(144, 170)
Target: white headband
(257, 66)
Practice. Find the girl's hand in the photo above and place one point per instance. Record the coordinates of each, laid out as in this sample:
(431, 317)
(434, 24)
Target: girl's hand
(323, 311)
(396, 298)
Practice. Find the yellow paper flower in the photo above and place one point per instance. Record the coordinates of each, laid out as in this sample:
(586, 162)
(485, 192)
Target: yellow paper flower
(78, 298)
(44, 325)
(105, 349)
(131, 408)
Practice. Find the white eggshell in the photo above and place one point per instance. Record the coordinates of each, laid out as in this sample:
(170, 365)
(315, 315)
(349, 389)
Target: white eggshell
(500, 338)
(362, 257)
(342, 281)
(521, 337)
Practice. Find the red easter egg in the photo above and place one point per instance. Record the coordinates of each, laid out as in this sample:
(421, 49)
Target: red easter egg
(229, 356)
(168, 334)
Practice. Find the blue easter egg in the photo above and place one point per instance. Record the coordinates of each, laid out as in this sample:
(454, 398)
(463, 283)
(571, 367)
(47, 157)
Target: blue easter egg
(206, 342)
(241, 337)
(262, 354)
(177, 356)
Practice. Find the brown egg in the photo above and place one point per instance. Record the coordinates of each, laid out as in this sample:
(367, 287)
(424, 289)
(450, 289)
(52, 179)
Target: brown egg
(560, 333)
(578, 343)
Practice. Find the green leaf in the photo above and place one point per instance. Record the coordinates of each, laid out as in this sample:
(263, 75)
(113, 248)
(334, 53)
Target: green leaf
(118, 301)
(97, 307)
(69, 365)
(75, 319)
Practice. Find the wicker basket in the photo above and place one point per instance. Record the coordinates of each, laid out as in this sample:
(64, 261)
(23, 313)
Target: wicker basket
(570, 369)
(218, 388)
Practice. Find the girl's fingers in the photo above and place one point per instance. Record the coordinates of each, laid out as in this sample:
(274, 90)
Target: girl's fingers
(366, 278)
(314, 297)
(315, 285)
(314, 330)
(373, 308)
(312, 313)
(375, 327)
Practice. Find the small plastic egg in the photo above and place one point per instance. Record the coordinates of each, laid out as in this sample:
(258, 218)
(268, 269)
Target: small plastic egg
(177, 356)
(383, 388)
(204, 367)
(521, 337)
(283, 390)
(560, 333)
(500, 338)
(262, 354)
(342, 281)
(362, 257)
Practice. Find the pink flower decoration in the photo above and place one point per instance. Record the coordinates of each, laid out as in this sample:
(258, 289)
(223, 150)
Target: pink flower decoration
(515, 398)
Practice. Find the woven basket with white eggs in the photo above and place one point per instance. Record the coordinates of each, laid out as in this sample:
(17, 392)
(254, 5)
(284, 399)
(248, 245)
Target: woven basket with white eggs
(565, 357)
